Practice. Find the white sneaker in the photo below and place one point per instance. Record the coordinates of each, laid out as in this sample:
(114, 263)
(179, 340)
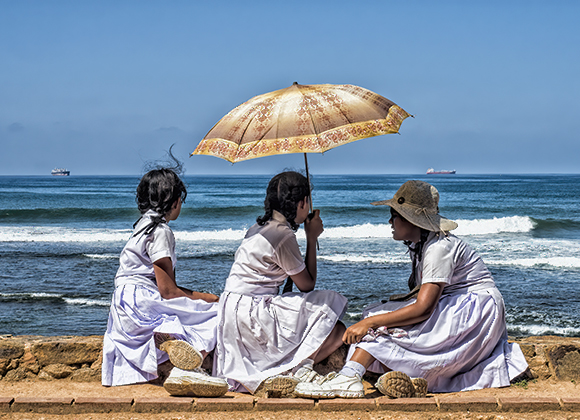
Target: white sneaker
(282, 386)
(331, 386)
(195, 383)
(305, 374)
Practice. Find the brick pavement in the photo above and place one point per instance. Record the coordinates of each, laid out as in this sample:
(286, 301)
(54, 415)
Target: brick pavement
(235, 402)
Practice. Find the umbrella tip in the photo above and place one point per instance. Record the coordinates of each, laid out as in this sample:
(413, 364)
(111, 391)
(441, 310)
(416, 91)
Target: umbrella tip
(295, 83)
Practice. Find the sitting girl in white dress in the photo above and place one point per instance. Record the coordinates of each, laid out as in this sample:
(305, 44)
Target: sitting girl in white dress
(263, 335)
(450, 336)
(151, 318)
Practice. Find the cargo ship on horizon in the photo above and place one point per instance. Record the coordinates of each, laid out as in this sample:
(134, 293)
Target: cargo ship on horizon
(60, 172)
(432, 171)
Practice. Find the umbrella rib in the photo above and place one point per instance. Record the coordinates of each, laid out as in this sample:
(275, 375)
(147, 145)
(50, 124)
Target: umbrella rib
(344, 115)
(256, 141)
(312, 120)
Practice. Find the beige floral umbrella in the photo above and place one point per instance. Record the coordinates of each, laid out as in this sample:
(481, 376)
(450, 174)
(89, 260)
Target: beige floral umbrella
(301, 119)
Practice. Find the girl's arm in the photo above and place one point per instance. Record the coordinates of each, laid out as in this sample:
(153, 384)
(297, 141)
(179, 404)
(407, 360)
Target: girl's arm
(414, 313)
(168, 288)
(306, 279)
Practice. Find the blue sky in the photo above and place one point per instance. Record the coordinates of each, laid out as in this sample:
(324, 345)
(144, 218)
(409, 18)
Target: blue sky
(101, 87)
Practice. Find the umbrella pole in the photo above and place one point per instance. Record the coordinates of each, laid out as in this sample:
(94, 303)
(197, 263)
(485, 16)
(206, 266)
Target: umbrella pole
(289, 283)
(308, 179)
(309, 193)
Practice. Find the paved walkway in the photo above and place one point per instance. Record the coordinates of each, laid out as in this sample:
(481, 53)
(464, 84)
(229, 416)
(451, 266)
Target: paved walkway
(65, 397)
(79, 405)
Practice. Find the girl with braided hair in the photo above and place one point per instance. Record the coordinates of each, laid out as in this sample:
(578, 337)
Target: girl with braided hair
(152, 319)
(447, 334)
(265, 337)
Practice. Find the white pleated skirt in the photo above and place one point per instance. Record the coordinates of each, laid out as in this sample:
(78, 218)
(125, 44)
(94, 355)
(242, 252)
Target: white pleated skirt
(462, 346)
(138, 313)
(262, 336)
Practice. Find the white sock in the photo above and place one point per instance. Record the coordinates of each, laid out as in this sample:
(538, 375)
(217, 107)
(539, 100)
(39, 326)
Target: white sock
(306, 363)
(351, 368)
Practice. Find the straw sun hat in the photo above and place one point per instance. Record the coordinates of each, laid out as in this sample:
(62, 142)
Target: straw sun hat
(418, 203)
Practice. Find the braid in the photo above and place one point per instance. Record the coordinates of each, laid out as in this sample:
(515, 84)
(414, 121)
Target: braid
(417, 253)
(283, 194)
(158, 190)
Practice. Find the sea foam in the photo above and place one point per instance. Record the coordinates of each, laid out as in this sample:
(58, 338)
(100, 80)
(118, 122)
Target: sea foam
(537, 330)
(363, 258)
(102, 256)
(513, 224)
(556, 262)
(210, 235)
(61, 234)
(86, 302)
(32, 295)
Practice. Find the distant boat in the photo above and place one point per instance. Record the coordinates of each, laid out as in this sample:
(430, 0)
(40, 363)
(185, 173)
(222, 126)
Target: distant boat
(432, 171)
(60, 172)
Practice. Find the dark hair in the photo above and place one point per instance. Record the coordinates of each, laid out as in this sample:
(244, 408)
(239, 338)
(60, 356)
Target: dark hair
(160, 188)
(283, 194)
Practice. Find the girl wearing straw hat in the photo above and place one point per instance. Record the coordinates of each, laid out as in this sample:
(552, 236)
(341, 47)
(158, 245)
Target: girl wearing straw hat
(448, 333)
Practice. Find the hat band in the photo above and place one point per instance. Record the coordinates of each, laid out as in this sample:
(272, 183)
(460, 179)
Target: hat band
(422, 210)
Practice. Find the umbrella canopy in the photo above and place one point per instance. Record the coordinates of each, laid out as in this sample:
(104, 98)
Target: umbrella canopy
(301, 119)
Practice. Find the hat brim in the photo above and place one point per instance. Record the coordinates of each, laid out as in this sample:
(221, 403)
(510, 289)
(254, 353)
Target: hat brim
(434, 223)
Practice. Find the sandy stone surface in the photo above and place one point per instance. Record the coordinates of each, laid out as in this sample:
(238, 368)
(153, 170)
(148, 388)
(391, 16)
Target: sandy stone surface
(533, 389)
(64, 388)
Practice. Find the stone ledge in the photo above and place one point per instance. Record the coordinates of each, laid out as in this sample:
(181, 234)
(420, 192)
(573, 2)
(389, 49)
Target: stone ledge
(570, 404)
(476, 405)
(224, 404)
(102, 405)
(528, 405)
(78, 359)
(280, 404)
(230, 404)
(343, 404)
(5, 404)
(42, 405)
(162, 405)
(407, 404)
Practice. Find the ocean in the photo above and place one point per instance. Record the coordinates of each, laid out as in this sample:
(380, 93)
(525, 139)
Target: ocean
(60, 239)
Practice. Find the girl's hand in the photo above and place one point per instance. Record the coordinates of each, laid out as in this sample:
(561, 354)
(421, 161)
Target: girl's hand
(313, 227)
(411, 314)
(356, 332)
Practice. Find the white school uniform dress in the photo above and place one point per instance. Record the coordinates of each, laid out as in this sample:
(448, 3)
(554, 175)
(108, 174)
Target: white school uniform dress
(262, 333)
(463, 345)
(138, 312)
